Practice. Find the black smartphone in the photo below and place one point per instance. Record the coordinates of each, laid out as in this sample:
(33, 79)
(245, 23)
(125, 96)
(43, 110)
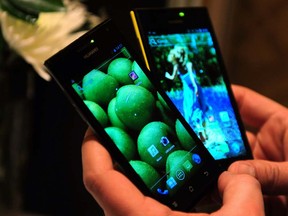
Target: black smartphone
(179, 45)
(134, 118)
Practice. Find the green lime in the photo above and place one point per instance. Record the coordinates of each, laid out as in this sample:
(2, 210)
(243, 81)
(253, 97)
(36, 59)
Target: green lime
(179, 160)
(115, 121)
(134, 106)
(120, 68)
(180, 168)
(147, 173)
(155, 142)
(186, 140)
(99, 87)
(98, 112)
(142, 78)
(123, 141)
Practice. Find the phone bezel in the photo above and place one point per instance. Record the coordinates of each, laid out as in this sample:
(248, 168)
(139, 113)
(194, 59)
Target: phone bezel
(73, 58)
(167, 20)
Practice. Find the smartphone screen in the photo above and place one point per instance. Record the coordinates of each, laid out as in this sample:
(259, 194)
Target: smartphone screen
(136, 120)
(180, 47)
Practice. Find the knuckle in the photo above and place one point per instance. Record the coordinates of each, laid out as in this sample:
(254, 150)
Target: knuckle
(90, 181)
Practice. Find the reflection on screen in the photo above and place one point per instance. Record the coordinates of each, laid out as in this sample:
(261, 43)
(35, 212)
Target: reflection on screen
(138, 120)
(190, 75)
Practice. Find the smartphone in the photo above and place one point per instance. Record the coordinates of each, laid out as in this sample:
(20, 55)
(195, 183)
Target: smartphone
(134, 118)
(179, 45)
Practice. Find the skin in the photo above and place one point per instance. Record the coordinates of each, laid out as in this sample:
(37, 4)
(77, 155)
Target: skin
(268, 138)
(240, 187)
(118, 196)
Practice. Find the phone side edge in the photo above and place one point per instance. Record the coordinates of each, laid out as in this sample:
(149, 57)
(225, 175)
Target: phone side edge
(138, 35)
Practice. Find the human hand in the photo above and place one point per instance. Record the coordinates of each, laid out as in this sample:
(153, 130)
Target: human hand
(119, 197)
(269, 143)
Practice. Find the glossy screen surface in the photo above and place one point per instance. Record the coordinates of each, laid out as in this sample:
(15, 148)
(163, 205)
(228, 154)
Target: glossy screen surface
(190, 74)
(139, 121)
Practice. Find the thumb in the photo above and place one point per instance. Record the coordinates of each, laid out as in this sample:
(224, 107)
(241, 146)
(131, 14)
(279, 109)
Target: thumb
(271, 175)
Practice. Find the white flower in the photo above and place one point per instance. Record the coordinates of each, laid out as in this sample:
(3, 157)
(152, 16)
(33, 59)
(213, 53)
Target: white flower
(51, 32)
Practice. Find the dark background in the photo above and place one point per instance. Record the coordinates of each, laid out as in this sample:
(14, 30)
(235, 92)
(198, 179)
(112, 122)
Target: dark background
(50, 132)
(41, 133)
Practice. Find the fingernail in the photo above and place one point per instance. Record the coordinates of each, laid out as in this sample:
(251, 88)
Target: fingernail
(243, 168)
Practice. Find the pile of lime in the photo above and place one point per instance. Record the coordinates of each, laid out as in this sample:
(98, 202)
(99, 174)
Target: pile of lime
(137, 119)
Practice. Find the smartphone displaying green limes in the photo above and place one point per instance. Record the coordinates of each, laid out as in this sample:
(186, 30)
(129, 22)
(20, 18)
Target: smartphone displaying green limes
(134, 118)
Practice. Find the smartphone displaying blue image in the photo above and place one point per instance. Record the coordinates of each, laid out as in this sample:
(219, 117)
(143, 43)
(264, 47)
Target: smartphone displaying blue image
(179, 45)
